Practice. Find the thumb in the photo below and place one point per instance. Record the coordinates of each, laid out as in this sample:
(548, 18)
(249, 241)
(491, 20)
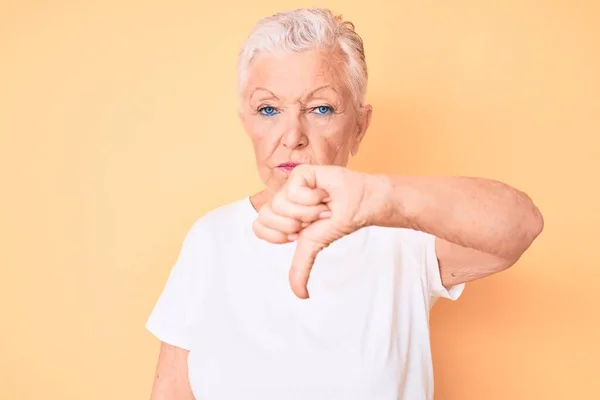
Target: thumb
(302, 263)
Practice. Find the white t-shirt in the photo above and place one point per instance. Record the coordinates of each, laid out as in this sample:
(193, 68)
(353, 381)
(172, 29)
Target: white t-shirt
(362, 335)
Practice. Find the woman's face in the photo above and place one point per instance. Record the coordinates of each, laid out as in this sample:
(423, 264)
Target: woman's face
(297, 110)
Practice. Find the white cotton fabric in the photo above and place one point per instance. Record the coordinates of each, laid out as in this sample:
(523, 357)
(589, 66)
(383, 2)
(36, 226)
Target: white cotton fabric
(362, 335)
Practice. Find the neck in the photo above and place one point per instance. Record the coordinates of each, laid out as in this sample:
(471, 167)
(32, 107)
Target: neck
(261, 198)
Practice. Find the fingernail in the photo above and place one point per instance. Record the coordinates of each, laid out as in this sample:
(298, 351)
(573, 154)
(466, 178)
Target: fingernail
(292, 237)
(325, 214)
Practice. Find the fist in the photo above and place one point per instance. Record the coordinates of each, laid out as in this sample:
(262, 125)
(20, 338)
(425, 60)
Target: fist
(316, 206)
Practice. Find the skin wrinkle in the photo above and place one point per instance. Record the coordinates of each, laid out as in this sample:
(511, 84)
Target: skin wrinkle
(296, 132)
(481, 228)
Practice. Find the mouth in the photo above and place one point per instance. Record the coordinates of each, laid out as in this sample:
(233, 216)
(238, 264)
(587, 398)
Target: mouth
(288, 166)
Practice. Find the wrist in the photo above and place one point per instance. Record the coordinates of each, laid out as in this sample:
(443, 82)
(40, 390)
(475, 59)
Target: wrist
(389, 201)
(376, 207)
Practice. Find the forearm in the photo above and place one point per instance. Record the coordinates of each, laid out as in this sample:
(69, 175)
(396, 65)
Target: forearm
(171, 380)
(477, 213)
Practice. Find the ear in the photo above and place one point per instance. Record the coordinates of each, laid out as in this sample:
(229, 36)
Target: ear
(241, 115)
(240, 111)
(363, 125)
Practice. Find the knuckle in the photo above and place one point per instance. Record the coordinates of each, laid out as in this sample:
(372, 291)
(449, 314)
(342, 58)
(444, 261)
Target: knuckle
(294, 226)
(292, 193)
(312, 214)
(279, 238)
(257, 228)
(278, 203)
(286, 226)
(295, 193)
(267, 234)
(308, 217)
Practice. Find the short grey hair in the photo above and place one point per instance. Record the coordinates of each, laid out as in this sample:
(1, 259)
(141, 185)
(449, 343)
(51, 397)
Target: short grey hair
(305, 29)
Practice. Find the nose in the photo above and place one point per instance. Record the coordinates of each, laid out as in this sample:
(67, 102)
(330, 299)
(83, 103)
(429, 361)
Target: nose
(294, 136)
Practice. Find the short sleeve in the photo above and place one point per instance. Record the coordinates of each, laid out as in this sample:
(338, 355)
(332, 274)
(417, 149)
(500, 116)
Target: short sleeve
(432, 272)
(422, 247)
(170, 319)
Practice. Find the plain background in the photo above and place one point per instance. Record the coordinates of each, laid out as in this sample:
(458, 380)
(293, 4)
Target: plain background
(118, 129)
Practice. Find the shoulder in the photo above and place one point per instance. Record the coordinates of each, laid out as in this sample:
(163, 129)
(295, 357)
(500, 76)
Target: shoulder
(410, 248)
(212, 233)
(417, 250)
(418, 246)
(222, 222)
(408, 239)
(414, 238)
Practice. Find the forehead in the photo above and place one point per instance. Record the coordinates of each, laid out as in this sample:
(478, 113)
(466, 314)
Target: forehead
(293, 74)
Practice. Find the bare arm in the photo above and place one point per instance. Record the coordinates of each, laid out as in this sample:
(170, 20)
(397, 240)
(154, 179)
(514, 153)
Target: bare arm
(481, 226)
(171, 381)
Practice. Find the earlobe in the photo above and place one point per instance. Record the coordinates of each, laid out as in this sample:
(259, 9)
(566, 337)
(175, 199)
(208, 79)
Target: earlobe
(356, 142)
(368, 113)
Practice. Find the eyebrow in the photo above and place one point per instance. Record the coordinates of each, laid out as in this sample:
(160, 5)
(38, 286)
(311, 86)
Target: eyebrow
(263, 89)
(309, 95)
(312, 92)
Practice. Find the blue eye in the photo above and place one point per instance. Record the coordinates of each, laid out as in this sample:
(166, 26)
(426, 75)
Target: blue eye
(323, 110)
(267, 111)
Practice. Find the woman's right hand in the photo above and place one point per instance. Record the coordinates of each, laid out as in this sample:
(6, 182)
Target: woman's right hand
(289, 211)
(317, 206)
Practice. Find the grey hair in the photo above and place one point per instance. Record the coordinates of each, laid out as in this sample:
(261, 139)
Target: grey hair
(305, 29)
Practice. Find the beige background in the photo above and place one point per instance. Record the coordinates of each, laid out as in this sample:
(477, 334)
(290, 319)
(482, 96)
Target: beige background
(118, 129)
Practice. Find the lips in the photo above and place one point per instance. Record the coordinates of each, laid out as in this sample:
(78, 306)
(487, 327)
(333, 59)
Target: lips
(288, 166)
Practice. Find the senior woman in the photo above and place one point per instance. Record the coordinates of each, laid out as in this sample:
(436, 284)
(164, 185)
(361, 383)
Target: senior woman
(239, 317)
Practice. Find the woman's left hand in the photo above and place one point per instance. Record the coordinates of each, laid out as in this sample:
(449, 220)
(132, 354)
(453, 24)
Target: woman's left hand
(316, 206)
